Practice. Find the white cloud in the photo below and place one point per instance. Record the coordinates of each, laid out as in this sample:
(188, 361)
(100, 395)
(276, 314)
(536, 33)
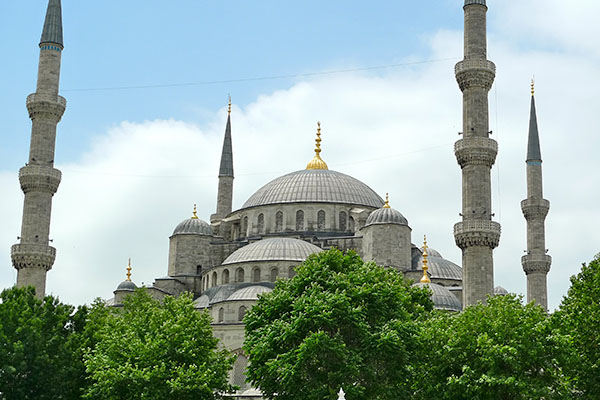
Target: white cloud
(393, 131)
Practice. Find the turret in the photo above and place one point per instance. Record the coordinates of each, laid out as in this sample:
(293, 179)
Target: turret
(33, 257)
(225, 190)
(124, 289)
(536, 263)
(477, 235)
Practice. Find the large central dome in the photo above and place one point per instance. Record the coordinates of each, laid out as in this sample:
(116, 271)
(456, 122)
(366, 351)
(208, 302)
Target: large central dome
(315, 186)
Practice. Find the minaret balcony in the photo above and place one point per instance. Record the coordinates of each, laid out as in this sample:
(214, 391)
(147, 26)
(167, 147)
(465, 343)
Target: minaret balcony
(476, 151)
(477, 233)
(475, 73)
(47, 105)
(535, 208)
(32, 255)
(533, 263)
(39, 178)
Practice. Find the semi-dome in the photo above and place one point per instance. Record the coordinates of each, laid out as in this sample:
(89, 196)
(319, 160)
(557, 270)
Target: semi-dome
(386, 215)
(273, 249)
(442, 298)
(315, 186)
(202, 302)
(500, 291)
(193, 226)
(249, 293)
(439, 267)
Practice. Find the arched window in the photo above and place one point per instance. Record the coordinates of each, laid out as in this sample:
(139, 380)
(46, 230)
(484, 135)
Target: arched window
(274, 274)
(260, 225)
(214, 279)
(343, 220)
(198, 269)
(244, 230)
(351, 224)
(240, 275)
(321, 220)
(299, 220)
(291, 272)
(256, 275)
(239, 371)
(221, 314)
(225, 277)
(279, 221)
(241, 313)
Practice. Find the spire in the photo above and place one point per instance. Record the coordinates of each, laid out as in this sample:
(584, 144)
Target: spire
(194, 214)
(129, 271)
(53, 32)
(387, 201)
(533, 144)
(425, 278)
(317, 162)
(226, 168)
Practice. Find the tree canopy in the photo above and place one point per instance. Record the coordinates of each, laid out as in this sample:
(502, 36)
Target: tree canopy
(39, 347)
(502, 350)
(578, 317)
(339, 322)
(153, 350)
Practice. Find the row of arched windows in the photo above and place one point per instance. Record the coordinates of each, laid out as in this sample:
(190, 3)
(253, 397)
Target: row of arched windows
(240, 276)
(344, 223)
(241, 313)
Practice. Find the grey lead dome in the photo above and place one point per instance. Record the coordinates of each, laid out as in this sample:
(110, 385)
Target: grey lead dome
(386, 216)
(442, 298)
(315, 186)
(193, 226)
(273, 249)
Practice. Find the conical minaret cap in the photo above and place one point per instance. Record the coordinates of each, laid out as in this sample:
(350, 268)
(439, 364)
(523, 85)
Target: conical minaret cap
(533, 143)
(226, 168)
(53, 31)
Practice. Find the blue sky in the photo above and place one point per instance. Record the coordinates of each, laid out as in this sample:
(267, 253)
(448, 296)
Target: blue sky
(135, 160)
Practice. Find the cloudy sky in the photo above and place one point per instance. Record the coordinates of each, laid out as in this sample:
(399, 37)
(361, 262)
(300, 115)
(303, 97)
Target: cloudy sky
(147, 88)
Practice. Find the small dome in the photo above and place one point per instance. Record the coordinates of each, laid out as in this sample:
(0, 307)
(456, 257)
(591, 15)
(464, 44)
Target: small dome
(432, 252)
(442, 298)
(500, 291)
(193, 226)
(202, 302)
(273, 249)
(439, 267)
(249, 293)
(386, 215)
(127, 285)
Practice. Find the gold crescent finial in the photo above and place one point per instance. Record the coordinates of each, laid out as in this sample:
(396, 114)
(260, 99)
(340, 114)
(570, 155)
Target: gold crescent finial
(317, 162)
(533, 85)
(229, 107)
(129, 270)
(425, 278)
(387, 201)
(194, 214)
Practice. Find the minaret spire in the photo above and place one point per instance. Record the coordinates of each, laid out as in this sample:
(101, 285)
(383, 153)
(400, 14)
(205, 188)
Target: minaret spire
(477, 235)
(536, 263)
(33, 257)
(225, 190)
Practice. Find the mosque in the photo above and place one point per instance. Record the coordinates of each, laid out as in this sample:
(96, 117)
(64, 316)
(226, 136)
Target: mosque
(228, 261)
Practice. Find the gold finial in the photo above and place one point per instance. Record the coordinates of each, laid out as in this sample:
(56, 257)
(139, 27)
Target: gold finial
(533, 86)
(229, 109)
(425, 278)
(387, 201)
(194, 215)
(129, 271)
(317, 162)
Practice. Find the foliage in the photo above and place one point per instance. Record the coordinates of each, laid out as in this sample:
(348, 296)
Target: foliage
(154, 350)
(338, 323)
(502, 350)
(578, 317)
(39, 343)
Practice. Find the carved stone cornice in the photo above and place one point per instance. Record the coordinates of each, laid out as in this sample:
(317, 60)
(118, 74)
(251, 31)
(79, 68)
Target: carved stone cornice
(32, 255)
(46, 106)
(533, 263)
(476, 151)
(475, 73)
(39, 178)
(477, 233)
(535, 208)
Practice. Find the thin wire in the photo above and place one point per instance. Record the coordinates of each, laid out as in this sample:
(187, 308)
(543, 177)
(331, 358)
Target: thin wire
(260, 78)
(497, 160)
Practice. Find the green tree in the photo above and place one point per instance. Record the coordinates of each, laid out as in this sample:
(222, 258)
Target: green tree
(502, 350)
(578, 317)
(153, 350)
(339, 322)
(39, 347)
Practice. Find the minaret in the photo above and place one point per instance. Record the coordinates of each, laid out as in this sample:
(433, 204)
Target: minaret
(477, 235)
(225, 191)
(33, 257)
(536, 263)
